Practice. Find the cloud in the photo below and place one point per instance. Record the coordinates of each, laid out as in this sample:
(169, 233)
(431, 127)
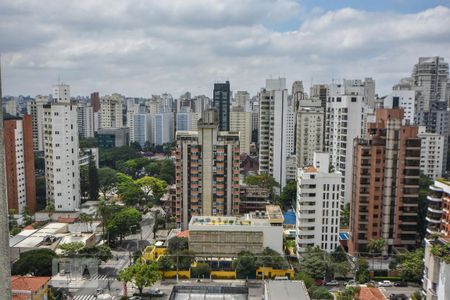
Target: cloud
(141, 48)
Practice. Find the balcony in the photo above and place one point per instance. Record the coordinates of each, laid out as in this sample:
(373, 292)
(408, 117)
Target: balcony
(436, 189)
(434, 198)
(435, 210)
(433, 221)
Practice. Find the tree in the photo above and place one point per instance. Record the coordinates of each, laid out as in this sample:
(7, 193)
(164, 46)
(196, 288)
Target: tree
(128, 190)
(106, 211)
(50, 208)
(362, 270)
(41, 193)
(245, 264)
(313, 262)
(93, 180)
(71, 249)
(314, 291)
(345, 216)
(262, 180)
(88, 143)
(167, 171)
(100, 252)
(411, 265)
(177, 244)
(271, 258)
(109, 157)
(153, 188)
(123, 221)
(37, 262)
(288, 196)
(86, 220)
(375, 246)
(107, 179)
(84, 181)
(142, 275)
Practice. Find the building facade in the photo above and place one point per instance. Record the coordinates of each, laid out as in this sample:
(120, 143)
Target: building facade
(318, 205)
(310, 131)
(386, 170)
(432, 153)
(35, 108)
(438, 215)
(241, 121)
(111, 111)
(276, 132)
(113, 137)
(207, 171)
(85, 120)
(141, 131)
(162, 128)
(222, 102)
(346, 116)
(19, 161)
(62, 171)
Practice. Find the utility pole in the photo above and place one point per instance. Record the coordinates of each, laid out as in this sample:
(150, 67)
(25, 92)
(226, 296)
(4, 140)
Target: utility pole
(5, 264)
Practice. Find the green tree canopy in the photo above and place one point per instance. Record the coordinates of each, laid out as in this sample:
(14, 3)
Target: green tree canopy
(362, 270)
(288, 196)
(128, 190)
(152, 187)
(177, 244)
(123, 222)
(262, 180)
(111, 156)
(375, 246)
(411, 265)
(107, 180)
(101, 252)
(37, 262)
(142, 275)
(245, 264)
(71, 249)
(93, 180)
(271, 258)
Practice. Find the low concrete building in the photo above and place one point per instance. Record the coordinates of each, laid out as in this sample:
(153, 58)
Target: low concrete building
(253, 198)
(227, 236)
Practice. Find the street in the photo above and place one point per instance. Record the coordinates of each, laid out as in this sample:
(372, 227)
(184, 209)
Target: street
(108, 271)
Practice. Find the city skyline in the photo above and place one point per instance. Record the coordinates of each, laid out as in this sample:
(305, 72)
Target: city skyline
(139, 49)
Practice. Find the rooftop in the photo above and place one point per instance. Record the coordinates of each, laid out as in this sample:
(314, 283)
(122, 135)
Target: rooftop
(286, 290)
(28, 283)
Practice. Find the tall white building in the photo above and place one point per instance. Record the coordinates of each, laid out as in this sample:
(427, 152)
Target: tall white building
(85, 120)
(432, 153)
(276, 131)
(35, 108)
(141, 129)
(111, 111)
(62, 172)
(318, 205)
(310, 131)
(162, 128)
(405, 99)
(346, 119)
(61, 93)
(241, 121)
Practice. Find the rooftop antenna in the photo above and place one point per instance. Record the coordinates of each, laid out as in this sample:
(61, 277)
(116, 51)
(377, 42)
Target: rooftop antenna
(5, 274)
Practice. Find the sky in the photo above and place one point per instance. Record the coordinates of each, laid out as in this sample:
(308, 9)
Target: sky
(144, 47)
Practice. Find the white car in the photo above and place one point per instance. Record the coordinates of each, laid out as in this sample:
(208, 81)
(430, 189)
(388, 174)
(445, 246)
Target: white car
(385, 283)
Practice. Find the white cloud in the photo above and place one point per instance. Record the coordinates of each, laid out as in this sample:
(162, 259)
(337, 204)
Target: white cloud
(144, 47)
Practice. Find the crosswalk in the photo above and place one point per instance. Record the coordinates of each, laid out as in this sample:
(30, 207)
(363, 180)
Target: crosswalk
(85, 297)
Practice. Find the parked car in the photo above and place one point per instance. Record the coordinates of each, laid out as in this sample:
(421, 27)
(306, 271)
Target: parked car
(156, 293)
(398, 297)
(374, 283)
(135, 298)
(332, 283)
(401, 283)
(350, 283)
(385, 283)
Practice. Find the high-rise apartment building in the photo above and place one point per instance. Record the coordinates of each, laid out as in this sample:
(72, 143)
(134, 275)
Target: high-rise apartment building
(432, 153)
(242, 99)
(241, 121)
(95, 101)
(346, 116)
(430, 79)
(162, 128)
(19, 160)
(111, 111)
(85, 120)
(187, 121)
(62, 172)
(221, 101)
(386, 171)
(438, 208)
(207, 171)
(276, 129)
(61, 93)
(319, 92)
(35, 108)
(318, 205)
(310, 131)
(141, 130)
(403, 98)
